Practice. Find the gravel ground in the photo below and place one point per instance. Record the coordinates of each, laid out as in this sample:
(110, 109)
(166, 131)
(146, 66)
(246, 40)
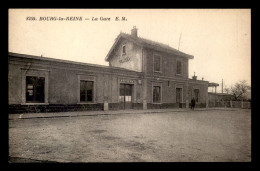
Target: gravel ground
(193, 136)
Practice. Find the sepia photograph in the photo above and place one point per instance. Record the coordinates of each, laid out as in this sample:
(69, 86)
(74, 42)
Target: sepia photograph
(129, 85)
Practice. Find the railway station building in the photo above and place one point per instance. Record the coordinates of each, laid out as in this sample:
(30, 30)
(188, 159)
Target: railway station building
(142, 74)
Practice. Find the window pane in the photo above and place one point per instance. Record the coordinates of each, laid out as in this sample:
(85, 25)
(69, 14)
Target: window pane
(127, 98)
(179, 69)
(82, 95)
(130, 98)
(124, 52)
(35, 89)
(29, 86)
(122, 90)
(128, 90)
(39, 87)
(121, 98)
(157, 63)
(30, 80)
(89, 85)
(82, 91)
(86, 91)
(82, 85)
(89, 95)
(30, 92)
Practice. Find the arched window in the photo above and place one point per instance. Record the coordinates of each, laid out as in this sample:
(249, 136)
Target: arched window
(123, 50)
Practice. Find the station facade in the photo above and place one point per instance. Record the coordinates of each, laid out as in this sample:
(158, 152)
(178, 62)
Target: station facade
(142, 74)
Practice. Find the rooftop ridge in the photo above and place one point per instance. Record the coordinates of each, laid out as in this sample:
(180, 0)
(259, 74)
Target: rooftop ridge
(147, 39)
(149, 44)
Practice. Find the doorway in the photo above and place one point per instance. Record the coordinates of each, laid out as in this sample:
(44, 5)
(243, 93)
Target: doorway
(125, 96)
(179, 96)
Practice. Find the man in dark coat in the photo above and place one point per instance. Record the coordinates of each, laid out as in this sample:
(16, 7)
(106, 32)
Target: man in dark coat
(192, 103)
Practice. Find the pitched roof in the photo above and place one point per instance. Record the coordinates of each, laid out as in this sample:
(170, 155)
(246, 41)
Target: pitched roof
(149, 44)
(12, 54)
(213, 84)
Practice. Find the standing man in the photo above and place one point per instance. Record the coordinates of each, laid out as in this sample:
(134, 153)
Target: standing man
(192, 103)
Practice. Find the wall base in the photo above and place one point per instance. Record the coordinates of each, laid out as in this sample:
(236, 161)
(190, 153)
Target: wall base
(89, 107)
(54, 108)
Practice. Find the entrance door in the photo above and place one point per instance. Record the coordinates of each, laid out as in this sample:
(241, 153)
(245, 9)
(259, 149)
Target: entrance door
(196, 95)
(179, 96)
(125, 96)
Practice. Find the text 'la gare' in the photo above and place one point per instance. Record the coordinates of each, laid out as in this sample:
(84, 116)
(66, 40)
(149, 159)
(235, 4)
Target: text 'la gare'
(101, 18)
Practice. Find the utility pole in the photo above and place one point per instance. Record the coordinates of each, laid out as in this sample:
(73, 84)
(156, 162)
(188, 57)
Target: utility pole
(179, 42)
(222, 86)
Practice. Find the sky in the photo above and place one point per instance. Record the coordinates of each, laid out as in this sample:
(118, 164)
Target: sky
(219, 39)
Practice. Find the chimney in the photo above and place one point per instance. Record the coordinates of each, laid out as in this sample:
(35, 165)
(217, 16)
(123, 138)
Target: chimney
(194, 77)
(134, 31)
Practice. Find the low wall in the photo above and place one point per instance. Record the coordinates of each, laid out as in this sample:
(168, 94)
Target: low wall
(165, 105)
(18, 108)
(233, 104)
(116, 106)
(199, 105)
(54, 108)
(246, 105)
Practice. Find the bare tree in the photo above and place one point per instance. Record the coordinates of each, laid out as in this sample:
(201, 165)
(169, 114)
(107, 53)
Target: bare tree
(227, 90)
(240, 90)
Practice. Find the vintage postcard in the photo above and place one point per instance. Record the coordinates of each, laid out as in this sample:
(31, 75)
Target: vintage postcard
(129, 85)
